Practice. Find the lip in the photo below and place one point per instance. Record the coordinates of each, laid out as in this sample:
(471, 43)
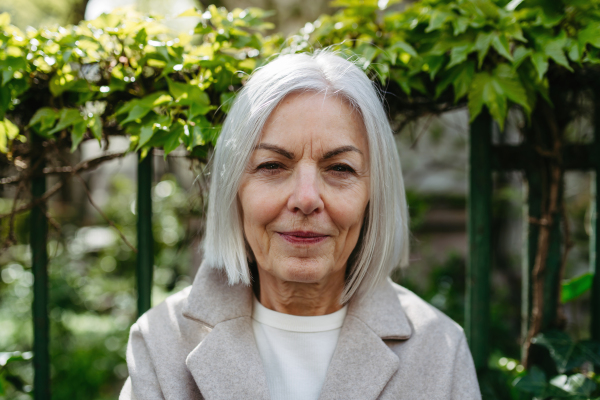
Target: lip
(303, 237)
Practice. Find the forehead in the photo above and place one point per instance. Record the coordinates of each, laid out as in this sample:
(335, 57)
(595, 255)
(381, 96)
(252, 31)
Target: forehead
(320, 119)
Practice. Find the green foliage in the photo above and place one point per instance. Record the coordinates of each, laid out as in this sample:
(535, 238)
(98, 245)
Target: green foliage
(7, 376)
(575, 287)
(484, 52)
(128, 72)
(91, 286)
(574, 362)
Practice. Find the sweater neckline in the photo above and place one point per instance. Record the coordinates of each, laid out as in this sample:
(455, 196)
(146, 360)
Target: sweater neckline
(296, 323)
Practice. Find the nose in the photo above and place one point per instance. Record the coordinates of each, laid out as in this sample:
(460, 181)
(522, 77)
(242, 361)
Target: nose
(306, 194)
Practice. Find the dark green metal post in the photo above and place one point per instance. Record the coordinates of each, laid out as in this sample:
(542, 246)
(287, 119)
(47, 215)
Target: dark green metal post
(594, 259)
(532, 209)
(479, 230)
(38, 226)
(145, 256)
(595, 237)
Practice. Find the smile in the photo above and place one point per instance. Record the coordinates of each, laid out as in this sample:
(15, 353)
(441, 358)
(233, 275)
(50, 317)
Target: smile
(301, 237)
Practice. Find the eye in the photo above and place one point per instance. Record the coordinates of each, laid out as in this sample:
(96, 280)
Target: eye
(342, 169)
(269, 167)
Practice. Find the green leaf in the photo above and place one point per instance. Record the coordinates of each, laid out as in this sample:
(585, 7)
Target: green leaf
(460, 77)
(59, 83)
(482, 45)
(485, 91)
(520, 54)
(463, 80)
(585, 351)
(146, 133)
(368, 51)
(178, 90)
(11, 129)
(95, 125)
(500, 44)
(514, 31)
(5, 100)
(489, 9)
(554, 48)
(460, 24)
(534, 382)
(402, 45)
(137, 112)
(8, 131)
(199, 134)
(493, 90)
(540, 62)
(6, 77)
(575, 287)
(573, 50)
(227, 101)
(438, 18)
(68, 117)
(589, 35)
(434, 64)
(77, 134)
(574, 384)
(459, 54)
(46, 118)
(139, 108)
(173, 139)
(559, 344)
(198, 137)
(511, 85)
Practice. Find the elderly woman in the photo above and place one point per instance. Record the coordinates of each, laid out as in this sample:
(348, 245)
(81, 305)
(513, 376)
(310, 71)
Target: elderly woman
(307, 218)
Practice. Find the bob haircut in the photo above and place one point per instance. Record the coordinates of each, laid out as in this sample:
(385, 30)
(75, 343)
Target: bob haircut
(383, 243)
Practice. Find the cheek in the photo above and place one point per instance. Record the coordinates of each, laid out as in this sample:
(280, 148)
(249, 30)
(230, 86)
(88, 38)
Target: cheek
(347, 210)
(258, 207)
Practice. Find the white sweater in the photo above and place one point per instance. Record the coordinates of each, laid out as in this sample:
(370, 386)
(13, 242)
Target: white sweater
(295, 351)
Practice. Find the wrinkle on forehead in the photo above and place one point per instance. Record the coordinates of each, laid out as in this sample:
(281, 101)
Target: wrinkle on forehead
(324, 96)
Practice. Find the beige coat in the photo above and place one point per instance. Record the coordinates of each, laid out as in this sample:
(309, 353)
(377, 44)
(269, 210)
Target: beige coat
(199, 344)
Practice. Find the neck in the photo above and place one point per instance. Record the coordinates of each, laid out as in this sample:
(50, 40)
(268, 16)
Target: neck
(298, 298)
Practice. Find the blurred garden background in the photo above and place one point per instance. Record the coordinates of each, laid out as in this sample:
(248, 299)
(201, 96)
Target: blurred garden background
(92, 213)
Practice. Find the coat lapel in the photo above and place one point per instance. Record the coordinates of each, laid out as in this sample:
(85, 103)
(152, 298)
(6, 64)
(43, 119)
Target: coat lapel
(361, 354)
(226, 364)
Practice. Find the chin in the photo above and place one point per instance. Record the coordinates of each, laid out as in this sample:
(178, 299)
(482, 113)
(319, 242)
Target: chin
(304, 271)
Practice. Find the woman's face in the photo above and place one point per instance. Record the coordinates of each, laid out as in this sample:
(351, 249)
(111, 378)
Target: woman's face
(305, 191)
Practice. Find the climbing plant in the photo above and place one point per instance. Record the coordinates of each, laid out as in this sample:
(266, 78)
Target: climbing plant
(126, 74)
(481, 52)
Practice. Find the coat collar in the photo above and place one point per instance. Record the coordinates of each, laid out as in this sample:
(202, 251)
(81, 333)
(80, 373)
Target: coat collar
(226, 364)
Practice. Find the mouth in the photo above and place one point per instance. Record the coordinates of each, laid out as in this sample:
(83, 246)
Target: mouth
(303, 237)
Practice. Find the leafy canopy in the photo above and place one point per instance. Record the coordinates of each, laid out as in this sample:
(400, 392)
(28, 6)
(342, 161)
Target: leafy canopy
(124, 73)
(490, 53)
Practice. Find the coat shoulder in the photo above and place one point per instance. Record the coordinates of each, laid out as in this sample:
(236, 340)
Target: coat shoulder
(424, 318)
(167, 312)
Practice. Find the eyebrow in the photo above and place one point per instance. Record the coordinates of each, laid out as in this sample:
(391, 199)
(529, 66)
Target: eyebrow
(276, 149)
(340, 150)
(290, 155)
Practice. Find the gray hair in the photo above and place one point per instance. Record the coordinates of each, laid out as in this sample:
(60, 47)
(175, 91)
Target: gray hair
(384, 240)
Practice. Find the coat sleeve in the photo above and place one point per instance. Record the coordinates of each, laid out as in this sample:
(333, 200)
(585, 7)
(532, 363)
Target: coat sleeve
(464, 383)
(142, 382)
